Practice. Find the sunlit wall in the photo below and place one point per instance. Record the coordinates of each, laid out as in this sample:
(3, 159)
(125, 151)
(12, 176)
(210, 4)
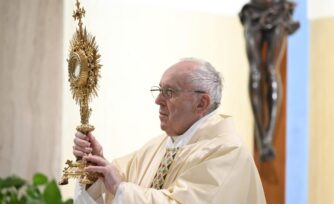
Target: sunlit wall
(321, 141)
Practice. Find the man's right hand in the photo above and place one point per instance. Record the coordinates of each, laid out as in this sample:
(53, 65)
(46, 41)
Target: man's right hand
(85, 145)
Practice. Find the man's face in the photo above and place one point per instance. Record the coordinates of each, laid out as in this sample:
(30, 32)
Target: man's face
(178, 113)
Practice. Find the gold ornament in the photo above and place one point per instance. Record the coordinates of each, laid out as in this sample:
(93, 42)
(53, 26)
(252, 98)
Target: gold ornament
(83, 69)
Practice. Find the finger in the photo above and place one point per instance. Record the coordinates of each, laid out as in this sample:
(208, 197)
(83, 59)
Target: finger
(79, 154)
(97, 148)
(99, 161)
(97, 169)
(81, 136)
(80, 142)
(90, 134)
(91, 138)
(86, 150)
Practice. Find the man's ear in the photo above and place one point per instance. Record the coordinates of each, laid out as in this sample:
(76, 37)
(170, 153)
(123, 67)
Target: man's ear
(203, 104)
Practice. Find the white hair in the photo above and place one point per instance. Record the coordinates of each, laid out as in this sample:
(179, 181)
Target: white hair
(206, 78)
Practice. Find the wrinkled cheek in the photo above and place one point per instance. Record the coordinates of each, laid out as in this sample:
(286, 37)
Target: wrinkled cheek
(173, 121)
(164, 122)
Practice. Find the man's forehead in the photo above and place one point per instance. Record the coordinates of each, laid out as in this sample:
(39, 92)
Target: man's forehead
(180, 69)
(170, 81)
(177, 75)
(173, 77)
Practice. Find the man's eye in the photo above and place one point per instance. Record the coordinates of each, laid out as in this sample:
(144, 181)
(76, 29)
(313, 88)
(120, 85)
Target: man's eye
(169, 92)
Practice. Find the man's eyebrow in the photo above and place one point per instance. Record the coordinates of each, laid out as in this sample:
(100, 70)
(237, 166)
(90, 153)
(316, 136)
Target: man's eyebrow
(166, 86)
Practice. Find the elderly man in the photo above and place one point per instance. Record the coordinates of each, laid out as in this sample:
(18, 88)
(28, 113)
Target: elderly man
(199, 159)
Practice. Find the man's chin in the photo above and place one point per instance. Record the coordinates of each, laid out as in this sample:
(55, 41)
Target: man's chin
(166, 130)
(162, 126)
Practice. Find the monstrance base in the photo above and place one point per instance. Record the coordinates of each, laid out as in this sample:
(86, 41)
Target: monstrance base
(76, 170)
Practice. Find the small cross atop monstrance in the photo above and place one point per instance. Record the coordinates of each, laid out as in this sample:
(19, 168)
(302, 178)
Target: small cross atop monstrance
(83, 70)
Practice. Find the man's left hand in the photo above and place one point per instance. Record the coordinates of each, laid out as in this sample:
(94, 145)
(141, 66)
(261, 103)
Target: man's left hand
(111, 177)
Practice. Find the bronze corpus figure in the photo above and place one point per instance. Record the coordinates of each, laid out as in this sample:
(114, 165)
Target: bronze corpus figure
(267, 23)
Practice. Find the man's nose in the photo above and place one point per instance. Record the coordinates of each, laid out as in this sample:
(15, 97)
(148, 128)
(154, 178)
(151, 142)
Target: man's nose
(160, 100)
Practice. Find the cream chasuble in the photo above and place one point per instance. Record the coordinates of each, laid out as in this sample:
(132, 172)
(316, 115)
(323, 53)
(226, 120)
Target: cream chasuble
(213, 167)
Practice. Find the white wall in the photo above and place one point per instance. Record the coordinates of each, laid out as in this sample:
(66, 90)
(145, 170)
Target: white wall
(320, 8)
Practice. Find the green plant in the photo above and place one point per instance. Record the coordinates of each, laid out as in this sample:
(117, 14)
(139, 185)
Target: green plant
(15, 190)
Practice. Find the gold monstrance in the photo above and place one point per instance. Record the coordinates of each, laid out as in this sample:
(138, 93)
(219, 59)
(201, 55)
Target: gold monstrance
(83, 69)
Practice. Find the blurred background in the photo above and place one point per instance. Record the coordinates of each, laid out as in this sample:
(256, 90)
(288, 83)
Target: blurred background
(138, 40)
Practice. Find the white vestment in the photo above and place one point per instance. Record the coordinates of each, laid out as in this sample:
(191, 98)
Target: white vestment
(213, 167)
